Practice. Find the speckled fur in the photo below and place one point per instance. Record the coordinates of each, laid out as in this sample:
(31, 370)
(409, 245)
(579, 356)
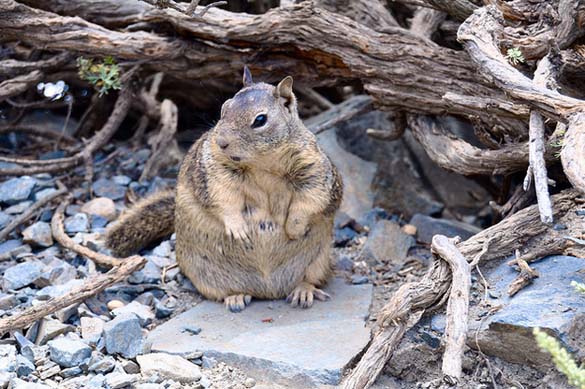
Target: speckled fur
(254, 218)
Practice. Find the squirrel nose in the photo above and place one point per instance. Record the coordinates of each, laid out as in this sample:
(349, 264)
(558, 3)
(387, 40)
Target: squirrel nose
(222, 143)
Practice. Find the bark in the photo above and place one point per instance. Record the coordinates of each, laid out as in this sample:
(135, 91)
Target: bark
(19, 84)
(327, 47)
(457, 307)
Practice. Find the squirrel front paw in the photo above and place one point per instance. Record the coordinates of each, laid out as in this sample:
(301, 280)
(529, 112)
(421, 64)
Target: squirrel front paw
(296, 227)
(237, 228)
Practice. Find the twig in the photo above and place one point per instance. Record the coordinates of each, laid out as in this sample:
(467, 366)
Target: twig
(19, 84)
(457, 307)
(92, 287)
(527, 274)
(37, 130)
(536, 148)
(97, 141)
(65, 241)
(29, 212)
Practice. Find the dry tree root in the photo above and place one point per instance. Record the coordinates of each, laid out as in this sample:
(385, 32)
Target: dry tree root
(412, 300)
(97, 141)
(527, 274)
(457, 306)
(92, 287)
(61, 237)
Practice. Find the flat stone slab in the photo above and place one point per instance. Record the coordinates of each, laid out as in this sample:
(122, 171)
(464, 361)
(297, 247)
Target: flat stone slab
(277, 343)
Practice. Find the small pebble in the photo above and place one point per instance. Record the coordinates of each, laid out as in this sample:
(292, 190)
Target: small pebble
(115, 304)
(250, 382)
(359, 280)
(409, 229)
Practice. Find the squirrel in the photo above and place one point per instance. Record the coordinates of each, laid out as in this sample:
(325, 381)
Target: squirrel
(253, 208)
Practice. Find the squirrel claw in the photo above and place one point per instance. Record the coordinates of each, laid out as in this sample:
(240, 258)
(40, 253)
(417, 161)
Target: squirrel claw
(237, 302)
(304, 295)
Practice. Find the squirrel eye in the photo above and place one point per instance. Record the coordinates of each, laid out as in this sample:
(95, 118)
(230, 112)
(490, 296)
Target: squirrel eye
(259, 121)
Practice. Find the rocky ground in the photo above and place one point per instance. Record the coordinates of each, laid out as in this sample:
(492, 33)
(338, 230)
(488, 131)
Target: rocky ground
(101, 343)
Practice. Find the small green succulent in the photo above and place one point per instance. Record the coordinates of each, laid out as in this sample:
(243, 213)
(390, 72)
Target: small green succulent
(104, 76)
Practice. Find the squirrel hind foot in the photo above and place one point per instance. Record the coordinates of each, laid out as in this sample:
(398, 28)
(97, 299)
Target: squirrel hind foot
(237, 302)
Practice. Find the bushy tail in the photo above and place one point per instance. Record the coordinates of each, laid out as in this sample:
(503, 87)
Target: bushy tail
(148, 220)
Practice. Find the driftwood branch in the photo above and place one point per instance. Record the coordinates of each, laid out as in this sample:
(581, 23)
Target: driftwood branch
(527, 274)
(65, 241)
(407, 305)
(97, 141)
(457, 307)
(92, 287)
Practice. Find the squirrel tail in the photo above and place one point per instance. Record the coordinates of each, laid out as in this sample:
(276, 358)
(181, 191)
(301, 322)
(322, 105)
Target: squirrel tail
(148, 220)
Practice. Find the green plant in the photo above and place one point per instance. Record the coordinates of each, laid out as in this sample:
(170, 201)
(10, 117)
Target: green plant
(579, 286)
(515, 56)
(103, 76)
(561, 358)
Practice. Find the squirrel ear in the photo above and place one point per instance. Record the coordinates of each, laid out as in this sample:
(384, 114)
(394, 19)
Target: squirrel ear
(247, 79)
(284, 88)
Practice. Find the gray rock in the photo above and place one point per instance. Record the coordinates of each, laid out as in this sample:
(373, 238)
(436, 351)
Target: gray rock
(107, 188)
(13, 247)
(357, 279)
(24, 367)
(19, 208)
(280, 350)
(16, 189)
(23, 274)
(4, 219)
(163, 250)
(118, 380)
(7, 358)
(38, 234)
(357, 174)
(150, 274)
(7, 301)
(71, 372)
(386, 244)
(549, 303)
(123, 336)
(101, 206)
(77, 223)
(61, 272)
(27, 348)
(50, 329)
(17, 383)
(68, 352)
(143, 312)
(41, 194)
(169, 366)
(58, 290)
(130, 367)
(427, 227)
(5, 379)
(344, 263)
(101, 364)
(122, 180)
(91, 329)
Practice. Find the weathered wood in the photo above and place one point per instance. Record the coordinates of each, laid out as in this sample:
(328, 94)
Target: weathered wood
(65, 241)
(91, 287)
(536, 150)
(478, 36)
(341, 112)
(457, 306)
(527, 274)
(521, 230)
(95, 143)
(19, 84)
(328, 47)
(456, 155)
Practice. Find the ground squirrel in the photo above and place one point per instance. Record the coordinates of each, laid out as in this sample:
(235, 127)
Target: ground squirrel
(253, 208)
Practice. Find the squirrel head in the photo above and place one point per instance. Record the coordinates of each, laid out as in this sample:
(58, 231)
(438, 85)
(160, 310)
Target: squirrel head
(257, 120)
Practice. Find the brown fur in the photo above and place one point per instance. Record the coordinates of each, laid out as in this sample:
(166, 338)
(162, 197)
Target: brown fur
(253, 218)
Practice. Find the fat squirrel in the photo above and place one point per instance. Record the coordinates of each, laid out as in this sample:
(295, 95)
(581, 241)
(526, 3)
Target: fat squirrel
(254, 205)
